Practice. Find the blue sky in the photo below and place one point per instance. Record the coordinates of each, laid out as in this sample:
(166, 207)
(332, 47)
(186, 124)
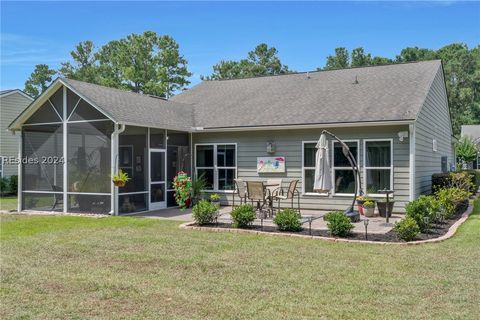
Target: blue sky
(304, 33)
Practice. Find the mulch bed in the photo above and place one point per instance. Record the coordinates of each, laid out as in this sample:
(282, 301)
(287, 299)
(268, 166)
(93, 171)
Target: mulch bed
(437, 230)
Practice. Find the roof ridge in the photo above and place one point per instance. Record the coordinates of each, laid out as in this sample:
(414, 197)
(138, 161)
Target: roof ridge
(138, 94)
(322, 70)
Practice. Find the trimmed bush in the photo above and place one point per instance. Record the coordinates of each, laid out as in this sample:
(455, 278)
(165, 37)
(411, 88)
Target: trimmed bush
(13, 184)
(204, 212)
(440, 180)
(243, 215)
(338, 224)
(4, 185)
(452, 201)
(407, 229)
(288, 220)
(475, 178)
(424, 210)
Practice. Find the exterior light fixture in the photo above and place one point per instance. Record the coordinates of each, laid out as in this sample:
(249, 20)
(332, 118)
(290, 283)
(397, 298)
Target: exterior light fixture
(402, 135)
(365, 223)
(271, 147)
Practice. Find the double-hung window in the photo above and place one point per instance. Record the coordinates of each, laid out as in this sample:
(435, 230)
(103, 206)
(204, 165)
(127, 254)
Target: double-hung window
(343, 175)
(378, 168)
(218, 165)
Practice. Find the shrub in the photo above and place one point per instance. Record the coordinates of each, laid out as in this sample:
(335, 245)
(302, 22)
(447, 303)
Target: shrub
(243, 215)
(452, 200)
(407, 229)
(204, 212)
(13, 184)
(462, 180)
(339, 224)
(424, 210)
(475, 178)
(440, 180)
(4, 185)
(288, 220)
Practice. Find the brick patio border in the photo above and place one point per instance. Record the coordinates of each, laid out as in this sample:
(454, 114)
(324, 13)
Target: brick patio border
(451, 231)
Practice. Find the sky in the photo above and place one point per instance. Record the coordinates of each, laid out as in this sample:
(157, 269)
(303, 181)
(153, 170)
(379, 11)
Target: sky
(304, 33)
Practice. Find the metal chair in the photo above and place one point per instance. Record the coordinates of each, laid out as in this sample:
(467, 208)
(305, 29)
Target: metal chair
(274, 189)
(291, 192)
(240, 190)
(58, 198)
(256, 192)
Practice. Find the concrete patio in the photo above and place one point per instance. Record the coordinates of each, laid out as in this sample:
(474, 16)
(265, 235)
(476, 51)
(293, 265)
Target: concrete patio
(376, 225)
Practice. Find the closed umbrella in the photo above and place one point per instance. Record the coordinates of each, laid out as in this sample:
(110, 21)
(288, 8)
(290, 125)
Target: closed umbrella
(323, 178)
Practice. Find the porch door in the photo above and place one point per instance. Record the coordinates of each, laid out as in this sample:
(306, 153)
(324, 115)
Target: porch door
(157, 179)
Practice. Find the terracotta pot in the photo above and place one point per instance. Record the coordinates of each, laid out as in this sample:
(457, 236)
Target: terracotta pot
(360, 208)
(119, 183)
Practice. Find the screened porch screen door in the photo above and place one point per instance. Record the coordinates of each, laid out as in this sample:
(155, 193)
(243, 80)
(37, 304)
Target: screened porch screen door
(157, 179)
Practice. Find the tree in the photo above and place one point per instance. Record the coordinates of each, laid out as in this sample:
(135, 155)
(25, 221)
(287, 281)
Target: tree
(84, 63)
(466, 150)
(415, 54)
(39, 80)
(145, 63)
(360, 59)
(340, 60)
(262, 61)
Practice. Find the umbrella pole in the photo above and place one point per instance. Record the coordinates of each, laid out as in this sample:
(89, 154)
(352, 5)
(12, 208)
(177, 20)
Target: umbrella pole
(353, 164)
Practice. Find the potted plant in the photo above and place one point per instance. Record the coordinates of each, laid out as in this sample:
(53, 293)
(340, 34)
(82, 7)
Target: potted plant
(120, 179)
(182, 184)
(198, 186)
(369, 208)
(360, 201)
(383, 209)
(215, 199)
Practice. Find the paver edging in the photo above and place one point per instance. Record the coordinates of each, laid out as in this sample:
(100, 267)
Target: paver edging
(450, 233)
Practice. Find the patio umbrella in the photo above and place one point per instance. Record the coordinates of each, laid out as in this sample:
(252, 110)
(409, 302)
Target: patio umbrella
(323, 178)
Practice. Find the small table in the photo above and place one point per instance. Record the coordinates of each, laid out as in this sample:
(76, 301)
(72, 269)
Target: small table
(309, 220)
(270, 194)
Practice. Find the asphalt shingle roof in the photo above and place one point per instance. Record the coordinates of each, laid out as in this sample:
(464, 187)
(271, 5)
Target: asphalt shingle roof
(135, 108)
(383, 93)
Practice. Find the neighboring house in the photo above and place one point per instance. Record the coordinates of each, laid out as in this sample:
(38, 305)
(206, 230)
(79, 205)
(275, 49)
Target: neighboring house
(473, 131)
(12, 103)
(395, 119)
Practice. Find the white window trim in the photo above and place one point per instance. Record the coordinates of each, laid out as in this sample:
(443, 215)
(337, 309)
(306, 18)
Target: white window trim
(341, 194)
(380, 168)
(215, 165)
(314, 194)
(1, 166)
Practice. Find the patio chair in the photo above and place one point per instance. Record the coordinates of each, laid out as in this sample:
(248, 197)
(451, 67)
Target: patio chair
(256, 192)
(274, 189)
(58, 198)
(240, 191)
(290, 195)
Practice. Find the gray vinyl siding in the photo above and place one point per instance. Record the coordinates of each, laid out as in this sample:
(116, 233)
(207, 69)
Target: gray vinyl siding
(433, 122)
(10, 107)
(252, 144)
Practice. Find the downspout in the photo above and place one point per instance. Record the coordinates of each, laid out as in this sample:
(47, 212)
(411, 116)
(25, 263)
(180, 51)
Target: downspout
(114, 164)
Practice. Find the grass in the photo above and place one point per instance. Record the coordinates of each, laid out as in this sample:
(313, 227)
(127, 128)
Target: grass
(123, 267)
(8, 203)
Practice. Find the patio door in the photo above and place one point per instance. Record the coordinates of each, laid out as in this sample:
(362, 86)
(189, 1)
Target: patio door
(157, 179)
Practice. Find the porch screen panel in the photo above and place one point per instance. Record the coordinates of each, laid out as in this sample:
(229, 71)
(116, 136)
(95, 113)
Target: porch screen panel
(42, 162)
(133, 159)
(88, 156)
(178, 159)
(42, 201)
(85, 111)
(45, 114)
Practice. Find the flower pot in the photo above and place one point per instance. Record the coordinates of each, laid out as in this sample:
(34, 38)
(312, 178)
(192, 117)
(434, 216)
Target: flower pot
(119, 183)
(369, 212)
(360, 206)
(216, 203)
(383, 210)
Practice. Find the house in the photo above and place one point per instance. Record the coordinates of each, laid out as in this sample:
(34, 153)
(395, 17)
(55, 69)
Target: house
(473, 131)
(395, 119)
(12, 103)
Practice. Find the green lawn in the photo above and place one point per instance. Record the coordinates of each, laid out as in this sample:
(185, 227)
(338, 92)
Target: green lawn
(75, 267)
(8, 203)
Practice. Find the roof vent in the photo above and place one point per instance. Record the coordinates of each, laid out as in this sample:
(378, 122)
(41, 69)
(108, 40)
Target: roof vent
(356, 80)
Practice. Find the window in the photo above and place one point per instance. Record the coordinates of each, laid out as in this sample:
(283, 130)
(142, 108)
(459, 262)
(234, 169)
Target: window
(309, 152)
(378, 170)
(343, 175)
(218, 165)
